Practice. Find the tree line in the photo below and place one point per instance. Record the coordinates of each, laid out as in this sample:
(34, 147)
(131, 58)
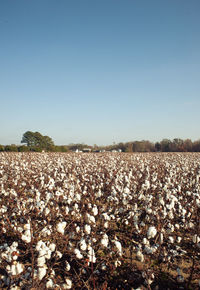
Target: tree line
(36, 142)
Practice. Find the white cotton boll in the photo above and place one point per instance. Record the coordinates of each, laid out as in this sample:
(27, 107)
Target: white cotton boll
(91, 255)
(67, 267)
(95, 210)
(78, 254)
(106, 216)
(41, 272)
(177, 226)
(90, 218)
(52, 273)
(117, 263)
(87, 229)
(26, 239)
(46, 211)
(83, 245)
(40, 244)
(78, 197)
(171, 239)
(27, 226)
(20, 229)
(151, 232)
(161, 238)
(119, 247)
(41, 261)
(103, 267)
(145, 241)
(78, 229)
(14, 245)
(178, 239)
(67, 210)
(14, 287)
(42, 252)
(52, 247)
(140, 256)
(68, 284)
(106, 225)
(49, 284)
(19, 268)
(15, 257)
(104, 240)
(59, 254)
(48, 254)
(61, 227)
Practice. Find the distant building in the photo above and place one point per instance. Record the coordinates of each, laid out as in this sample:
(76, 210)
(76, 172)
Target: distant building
(87, 149)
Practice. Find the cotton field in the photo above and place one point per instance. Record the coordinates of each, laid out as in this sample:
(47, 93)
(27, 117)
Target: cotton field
(99, 221)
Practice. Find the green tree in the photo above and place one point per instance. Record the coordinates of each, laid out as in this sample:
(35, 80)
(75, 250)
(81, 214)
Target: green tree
(37, 140)
(165, 145)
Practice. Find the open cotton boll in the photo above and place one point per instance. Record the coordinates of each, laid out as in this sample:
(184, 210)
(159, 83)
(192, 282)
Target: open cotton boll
(119, 247)
(78, 254)
(106, 225)
(83, 245)
(68, 267)
(42, 272)
(26, 237)
(52, 247)
(87, 229)
(27, 226)
(61, 227)
(41, 261)
(49, 284)
(105, 241)
(40, 245)
(151, 232)
(91, 255)
(145, 241)
(46, 211)
(95, 210)
(68, 284)
(171, 239)
(117, 263)
(59, 254)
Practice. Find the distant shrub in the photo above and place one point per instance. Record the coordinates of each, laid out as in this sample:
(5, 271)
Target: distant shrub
(10, 148)
(36, 149)
(23, 149)
(1, 148)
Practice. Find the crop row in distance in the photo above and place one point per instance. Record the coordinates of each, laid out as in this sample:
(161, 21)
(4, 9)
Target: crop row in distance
(99, 221)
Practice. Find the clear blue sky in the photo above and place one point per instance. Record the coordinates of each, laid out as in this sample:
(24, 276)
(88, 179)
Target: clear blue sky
(100, 71)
